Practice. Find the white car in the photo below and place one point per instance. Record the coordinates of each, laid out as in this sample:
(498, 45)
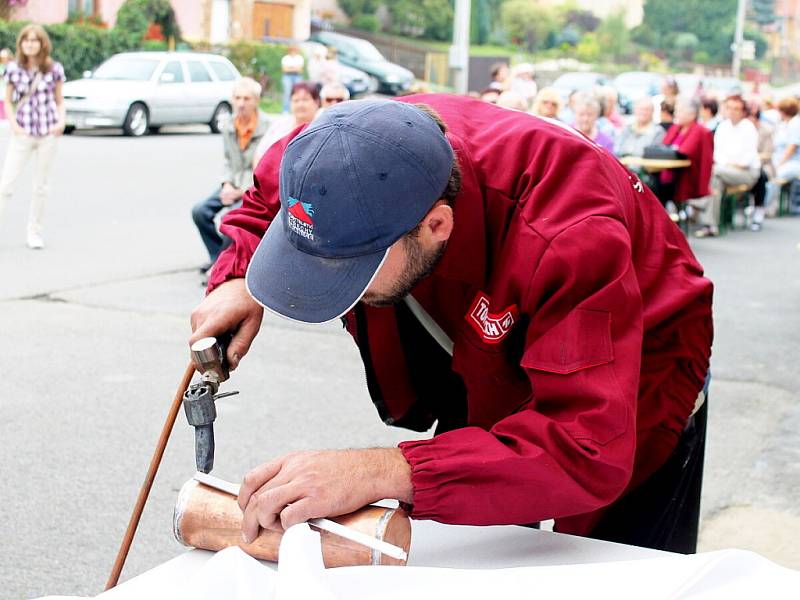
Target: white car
(142, 91)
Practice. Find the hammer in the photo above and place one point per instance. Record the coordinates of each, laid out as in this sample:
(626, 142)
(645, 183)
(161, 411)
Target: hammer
(208, 354)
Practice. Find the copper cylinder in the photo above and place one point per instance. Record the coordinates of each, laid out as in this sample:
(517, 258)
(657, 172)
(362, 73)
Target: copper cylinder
(211, 519)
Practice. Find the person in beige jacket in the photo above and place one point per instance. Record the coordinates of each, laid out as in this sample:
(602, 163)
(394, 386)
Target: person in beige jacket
(241, 137)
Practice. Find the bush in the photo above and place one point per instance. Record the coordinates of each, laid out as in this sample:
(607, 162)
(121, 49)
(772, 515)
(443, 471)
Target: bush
(366, 22)
(260, 61)
(135, 17)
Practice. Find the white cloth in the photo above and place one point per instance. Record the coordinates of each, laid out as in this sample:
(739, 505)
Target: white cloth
(281, 126)
(292, 63)
(737, 144)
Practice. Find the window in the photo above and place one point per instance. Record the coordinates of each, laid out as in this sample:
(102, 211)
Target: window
(83, 7)
(173, 67)
(223, 71)
(126, 68)
(197, 71)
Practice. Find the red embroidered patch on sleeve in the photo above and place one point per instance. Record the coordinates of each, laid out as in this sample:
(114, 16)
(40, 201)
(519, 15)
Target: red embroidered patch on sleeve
(491, 327)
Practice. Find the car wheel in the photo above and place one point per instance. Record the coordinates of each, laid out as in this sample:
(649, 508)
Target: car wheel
(137, 120)
(374, 84)
(68, 129)
(221, 116)
(154, 129)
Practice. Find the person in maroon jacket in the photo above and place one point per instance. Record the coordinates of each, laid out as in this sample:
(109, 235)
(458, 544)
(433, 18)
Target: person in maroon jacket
(507, 279)
(690, 139)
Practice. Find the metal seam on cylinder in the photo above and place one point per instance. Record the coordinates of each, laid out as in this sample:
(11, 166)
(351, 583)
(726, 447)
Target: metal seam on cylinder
(380, 531)
(180, 509)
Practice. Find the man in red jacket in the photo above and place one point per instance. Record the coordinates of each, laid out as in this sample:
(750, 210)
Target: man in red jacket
(508, 280)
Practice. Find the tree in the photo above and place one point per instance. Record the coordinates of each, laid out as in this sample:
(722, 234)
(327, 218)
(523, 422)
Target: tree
(432, 19)
(613, 36)
(712, 21)
(527, 23)
(764, 12)
(354, 8)
(135, 17)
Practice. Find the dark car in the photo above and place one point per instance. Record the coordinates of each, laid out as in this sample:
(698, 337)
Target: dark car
(361, 54)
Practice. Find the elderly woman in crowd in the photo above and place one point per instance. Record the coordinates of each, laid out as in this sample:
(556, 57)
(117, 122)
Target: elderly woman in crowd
(304, 102)
(522, 82)
(693, 141)
(786, 151)
(587, 111)
(547, 103)
(512, 100)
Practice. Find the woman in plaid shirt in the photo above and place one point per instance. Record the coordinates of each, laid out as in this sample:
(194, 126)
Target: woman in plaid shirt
(35, 107)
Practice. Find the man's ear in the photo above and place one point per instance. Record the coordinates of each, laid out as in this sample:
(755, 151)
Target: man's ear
(437, 225)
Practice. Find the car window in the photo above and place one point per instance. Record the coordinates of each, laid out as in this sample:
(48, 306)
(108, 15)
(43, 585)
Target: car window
(173, 67)
(197, 71)
(126, 68)
(222, 70)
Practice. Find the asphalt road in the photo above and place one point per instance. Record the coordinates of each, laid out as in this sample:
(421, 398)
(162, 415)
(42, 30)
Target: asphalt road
(94, 329)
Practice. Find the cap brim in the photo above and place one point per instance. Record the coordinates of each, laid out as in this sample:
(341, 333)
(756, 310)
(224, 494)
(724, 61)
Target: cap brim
(304, 287)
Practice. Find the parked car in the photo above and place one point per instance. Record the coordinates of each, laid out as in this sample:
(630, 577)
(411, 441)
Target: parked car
(633, 85)
(361, 54)
(142, 91)
(355, 80)
(577, 81)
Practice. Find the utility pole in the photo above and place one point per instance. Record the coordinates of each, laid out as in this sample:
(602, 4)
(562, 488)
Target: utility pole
(738, 40)
(459, 51)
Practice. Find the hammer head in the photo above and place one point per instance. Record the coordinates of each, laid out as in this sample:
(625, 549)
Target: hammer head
(198, 404)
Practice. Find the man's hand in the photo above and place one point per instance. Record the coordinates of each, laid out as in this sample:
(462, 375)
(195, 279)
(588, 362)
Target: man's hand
(228, 309)
(306, 485)
(229, 194)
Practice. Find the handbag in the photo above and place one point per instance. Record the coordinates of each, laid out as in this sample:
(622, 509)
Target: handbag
(661, 152)
(32, 88)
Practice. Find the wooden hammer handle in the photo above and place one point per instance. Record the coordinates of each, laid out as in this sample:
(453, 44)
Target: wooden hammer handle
(144, 492)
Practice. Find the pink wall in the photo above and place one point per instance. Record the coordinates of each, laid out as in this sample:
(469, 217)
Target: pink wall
(43, 12)
(188, 12)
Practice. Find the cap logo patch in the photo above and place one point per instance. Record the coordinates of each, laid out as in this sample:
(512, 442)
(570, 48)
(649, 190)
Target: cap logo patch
(491, 327)
(300, 218)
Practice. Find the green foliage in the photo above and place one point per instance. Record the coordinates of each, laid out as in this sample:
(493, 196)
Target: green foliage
(135, 16)
(711, 21)
(260, 61)
(353, 8)
(78, 47)
(764, 11)
(613, 37)
(527, 23)
(431, 19)
(366, 22)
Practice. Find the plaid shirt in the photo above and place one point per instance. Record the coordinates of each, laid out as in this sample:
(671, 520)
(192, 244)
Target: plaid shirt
(40, 112)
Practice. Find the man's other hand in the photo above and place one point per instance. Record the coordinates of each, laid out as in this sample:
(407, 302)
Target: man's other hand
(306, 485)
(228, 309)
(229, 194)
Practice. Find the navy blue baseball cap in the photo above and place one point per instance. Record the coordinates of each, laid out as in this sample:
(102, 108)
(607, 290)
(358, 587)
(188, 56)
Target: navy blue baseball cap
(361, 176)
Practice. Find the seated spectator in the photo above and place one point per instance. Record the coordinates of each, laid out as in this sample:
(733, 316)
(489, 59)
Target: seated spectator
(522, 83)
(490, 95)
(693, 141)
(500, 76)
(241, 136)
(547, 103)
(587, 111)
(786, 152)
(708, 113)
(736, 161)
(512, 100)
(610, 121)
(304, 103)
(641, 132)
(333, 93)
(765, 148)
(667, 115)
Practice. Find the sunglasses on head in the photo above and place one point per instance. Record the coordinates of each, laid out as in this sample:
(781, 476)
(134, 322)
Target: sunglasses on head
(334, 100)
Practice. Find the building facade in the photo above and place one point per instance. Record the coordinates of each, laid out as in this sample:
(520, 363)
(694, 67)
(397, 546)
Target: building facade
(215, 21)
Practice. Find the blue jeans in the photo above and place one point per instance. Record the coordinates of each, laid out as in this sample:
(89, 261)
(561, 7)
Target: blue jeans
(203, 214)
(287, 81)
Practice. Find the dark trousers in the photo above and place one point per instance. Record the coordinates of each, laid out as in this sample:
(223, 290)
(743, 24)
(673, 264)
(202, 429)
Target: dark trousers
(664, 512)
(759, 190)
(203, 214)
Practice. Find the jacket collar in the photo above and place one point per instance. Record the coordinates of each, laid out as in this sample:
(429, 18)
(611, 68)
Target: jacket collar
(465, 257)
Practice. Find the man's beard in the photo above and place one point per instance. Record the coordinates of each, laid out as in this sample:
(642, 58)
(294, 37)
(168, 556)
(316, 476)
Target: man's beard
(419, 264)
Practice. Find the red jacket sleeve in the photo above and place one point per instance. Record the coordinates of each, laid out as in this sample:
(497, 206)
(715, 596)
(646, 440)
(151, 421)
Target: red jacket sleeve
(570, 450)
(246, 225)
